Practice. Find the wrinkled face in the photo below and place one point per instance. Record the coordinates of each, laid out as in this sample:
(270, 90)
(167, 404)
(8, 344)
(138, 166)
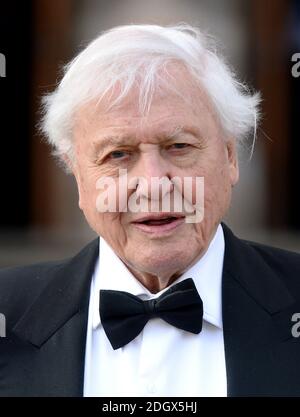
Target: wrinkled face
(175, 139)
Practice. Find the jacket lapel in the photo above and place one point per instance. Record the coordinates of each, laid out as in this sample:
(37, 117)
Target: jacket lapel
(257, 310)
(55, 327)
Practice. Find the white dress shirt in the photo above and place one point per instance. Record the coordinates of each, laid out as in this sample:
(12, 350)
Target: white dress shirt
(162, 360)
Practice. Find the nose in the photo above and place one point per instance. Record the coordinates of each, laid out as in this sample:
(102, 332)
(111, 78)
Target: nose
(153, 176)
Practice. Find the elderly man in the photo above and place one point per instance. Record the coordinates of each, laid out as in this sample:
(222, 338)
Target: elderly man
(167, 301)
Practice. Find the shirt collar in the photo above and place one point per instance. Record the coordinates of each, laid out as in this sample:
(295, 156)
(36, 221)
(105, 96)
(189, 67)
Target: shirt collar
(112, 274)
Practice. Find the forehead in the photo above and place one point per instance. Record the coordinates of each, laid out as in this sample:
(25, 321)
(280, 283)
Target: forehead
(184, 107)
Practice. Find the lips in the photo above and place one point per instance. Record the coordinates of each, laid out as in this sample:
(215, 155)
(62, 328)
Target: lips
(160, 223)
(159, 218)
(155, 222)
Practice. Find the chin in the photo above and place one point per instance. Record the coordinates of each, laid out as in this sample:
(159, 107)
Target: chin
(164, 262)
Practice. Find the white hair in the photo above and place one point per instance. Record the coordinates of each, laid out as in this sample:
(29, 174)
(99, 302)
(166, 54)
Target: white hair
(129, 54)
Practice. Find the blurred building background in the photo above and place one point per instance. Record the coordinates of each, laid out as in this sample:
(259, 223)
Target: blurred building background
(39, 217)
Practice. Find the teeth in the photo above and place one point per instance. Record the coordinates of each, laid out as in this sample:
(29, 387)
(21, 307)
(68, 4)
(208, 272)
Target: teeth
(157, 220)
(160, 221)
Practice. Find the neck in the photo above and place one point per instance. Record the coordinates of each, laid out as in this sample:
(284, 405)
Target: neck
(155, 283)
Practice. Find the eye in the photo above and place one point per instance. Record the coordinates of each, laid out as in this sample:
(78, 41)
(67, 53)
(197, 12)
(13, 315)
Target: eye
(180, 145)
(117, 154)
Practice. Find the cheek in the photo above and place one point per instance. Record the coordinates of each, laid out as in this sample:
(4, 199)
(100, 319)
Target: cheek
(193, 193)
(111, 228)
(99, 206)
(88, 195)
(89, 186)
(110, 223)
(212, 187)
(217, 193)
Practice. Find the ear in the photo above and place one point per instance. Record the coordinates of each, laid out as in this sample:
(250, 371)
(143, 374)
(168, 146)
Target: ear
(72, 167)
(232, 161)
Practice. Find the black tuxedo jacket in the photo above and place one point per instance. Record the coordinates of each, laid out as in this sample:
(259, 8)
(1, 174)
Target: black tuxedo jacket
(46, 309)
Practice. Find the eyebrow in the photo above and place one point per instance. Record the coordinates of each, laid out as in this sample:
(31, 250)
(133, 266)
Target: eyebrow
(109, 141)
(183, 130)
(106, 141)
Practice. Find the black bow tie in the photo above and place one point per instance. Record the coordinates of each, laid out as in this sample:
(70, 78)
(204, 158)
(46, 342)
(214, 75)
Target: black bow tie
(124, 315)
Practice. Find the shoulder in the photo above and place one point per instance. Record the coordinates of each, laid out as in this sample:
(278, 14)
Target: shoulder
(276, 257)
(27, 274)
(260, 262)
(285, 264)
(21, 286)
(40, 272)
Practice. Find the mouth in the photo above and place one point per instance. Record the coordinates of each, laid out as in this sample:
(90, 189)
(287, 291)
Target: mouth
(159, 224)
